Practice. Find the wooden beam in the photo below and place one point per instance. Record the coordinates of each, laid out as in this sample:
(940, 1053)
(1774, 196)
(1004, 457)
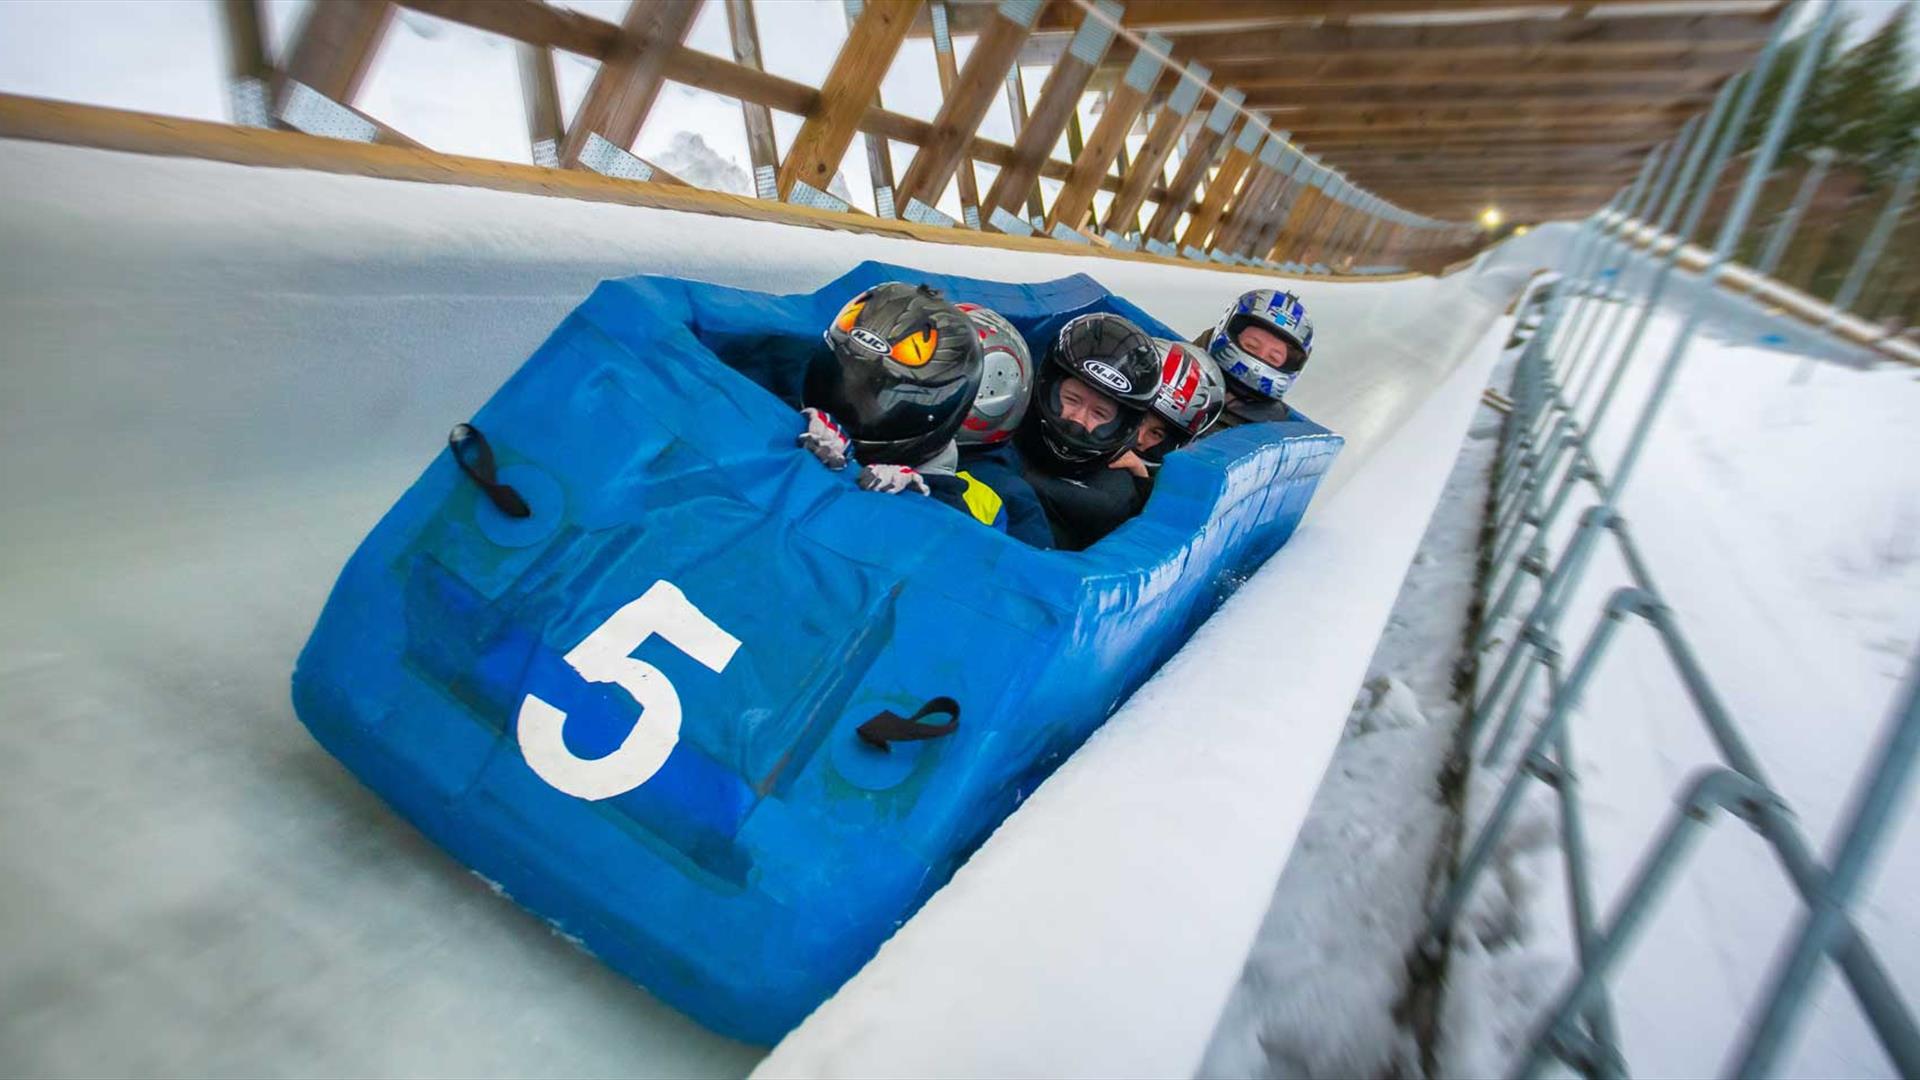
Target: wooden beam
(960, 114)
(1501, 142)
(1264, 179)
(1488, 156)
(847, 94)
(624, 89)
(1569, 114)
(1495, 40)
(968, 181)
(1075, 201)
(1169, 123)
(763, 150)
(879, 153)
(540, 98)
(247, 55)
(1017, 105)
(1681, 64)
(336, 44)
(1058, 102)
(1198, 158)
(1454, 96)
(1174, 15)
(1309, 210)
(1223, 186)
(1605, 127)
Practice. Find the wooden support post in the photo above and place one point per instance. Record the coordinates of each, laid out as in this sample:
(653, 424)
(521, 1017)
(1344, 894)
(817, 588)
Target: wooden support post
(1314, 252)
(250, 74)
(1221, 189)
(540, 93)
(1169, 123)
(1123, 165)
(762, 149)
(849, 90)
(335, 47)
(1268, 216)
(959, 117)
(1124, 106)
(949, 72)
(1058, 104)
(1308, 209)
(624, 89)
(1260, 245)
(879, 150)
(1194, 165)
(1263, 177)
(1017, 105)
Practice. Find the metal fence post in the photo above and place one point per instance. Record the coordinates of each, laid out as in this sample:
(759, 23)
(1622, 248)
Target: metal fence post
(1877, 240)
(1820, 159)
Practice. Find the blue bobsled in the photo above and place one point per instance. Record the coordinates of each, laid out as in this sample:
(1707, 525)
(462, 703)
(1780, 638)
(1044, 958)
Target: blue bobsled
(638, 708)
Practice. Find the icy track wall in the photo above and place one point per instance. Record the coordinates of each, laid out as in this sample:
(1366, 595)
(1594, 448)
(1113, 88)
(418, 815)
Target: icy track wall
(216, 378)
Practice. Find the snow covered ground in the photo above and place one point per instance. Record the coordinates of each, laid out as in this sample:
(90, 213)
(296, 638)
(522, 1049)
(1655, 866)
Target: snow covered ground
(1779, 518)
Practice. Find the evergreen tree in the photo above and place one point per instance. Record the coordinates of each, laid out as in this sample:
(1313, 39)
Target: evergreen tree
(1861, 97)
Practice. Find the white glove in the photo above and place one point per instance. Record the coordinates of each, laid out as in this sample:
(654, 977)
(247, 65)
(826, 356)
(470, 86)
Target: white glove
(892, 480)
(824, 439)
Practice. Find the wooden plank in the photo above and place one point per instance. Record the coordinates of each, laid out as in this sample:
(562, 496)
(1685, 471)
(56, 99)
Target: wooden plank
(1221, 189)
(1169, 123)
(1173, 15)
(1075, 201)
(1263, 176)
(1200, 152)
(1017, 105)
(247, 54)
(1596, 128)
(1455, 96)
(879, 152)
(540, 98)
(960, 114)
(1267, 215)
(65, 123)
(1495, 40)
(848, 93)
(1489, 156)
(1514, 114)
(1059, 100)
(948, 69)
(1308, 210)
(531, 21)
(1680, 64)
(624, 89)
(763, 150)
(336, 44)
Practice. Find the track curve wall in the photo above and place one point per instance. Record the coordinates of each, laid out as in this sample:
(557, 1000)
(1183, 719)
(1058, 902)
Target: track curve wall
(215, 379)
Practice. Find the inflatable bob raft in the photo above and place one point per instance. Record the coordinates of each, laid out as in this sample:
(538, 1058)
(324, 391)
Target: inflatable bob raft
(705, 706)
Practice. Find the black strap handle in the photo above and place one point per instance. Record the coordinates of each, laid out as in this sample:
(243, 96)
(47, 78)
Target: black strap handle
(475, 458)
(887, 728)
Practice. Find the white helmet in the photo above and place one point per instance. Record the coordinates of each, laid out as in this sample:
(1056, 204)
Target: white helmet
(1280, 313)
(1192, 394)
(1005, 387)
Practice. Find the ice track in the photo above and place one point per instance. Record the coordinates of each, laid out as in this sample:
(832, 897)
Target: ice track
(213, 379)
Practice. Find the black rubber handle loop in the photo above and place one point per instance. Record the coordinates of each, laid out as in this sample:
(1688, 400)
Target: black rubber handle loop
(887, 728)
(475, 458)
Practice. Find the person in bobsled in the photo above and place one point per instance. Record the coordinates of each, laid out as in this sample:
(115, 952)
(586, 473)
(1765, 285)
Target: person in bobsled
(1191, 396)
(900, 372)
(986, 436)
(1090, 394)
(1261, 344)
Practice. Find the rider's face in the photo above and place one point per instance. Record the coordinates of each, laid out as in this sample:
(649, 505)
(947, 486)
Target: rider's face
(1265, 346)
(1081, 404)
(1153, 432)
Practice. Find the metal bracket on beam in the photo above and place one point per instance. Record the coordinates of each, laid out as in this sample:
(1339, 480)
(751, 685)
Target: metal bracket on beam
(1009, 224)
(921, 214)
(805, 194)
(309, 111)
(609, 160)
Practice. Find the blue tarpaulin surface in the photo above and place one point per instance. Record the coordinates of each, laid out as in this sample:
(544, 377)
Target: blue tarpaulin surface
(635, 709)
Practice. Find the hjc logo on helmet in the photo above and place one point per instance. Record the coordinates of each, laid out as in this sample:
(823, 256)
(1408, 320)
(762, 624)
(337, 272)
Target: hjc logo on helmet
(868, 340)
(1107, 374)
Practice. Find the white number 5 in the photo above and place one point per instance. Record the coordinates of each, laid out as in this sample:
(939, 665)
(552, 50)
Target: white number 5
(604, 657)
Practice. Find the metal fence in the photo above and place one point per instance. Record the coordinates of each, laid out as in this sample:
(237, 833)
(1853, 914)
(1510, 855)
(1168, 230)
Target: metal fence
(1547, 460)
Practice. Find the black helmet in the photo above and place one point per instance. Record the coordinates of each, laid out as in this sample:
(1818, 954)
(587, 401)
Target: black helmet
(905, 365)
(1115, 359)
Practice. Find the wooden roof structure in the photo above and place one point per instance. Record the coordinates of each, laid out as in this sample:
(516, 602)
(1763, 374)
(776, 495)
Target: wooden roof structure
(1542, 108)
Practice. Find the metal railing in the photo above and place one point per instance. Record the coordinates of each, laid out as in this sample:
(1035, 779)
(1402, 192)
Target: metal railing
(1547, 457)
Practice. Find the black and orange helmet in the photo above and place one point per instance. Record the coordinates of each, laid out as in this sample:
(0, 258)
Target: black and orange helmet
(902, 370)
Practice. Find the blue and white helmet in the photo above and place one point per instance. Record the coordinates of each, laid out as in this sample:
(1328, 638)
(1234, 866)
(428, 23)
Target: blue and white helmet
(1280, 313)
